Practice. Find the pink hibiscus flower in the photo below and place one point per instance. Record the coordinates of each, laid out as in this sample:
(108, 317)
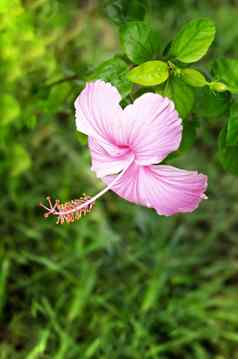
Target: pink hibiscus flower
(127, 146)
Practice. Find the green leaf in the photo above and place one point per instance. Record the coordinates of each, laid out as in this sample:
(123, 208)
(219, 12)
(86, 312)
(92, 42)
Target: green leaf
(228, 155)
(232, 126)
(139, 41)
(150, 73)
(226, 70)
(115, 71)
(182, 95)
(193, 40)
(211, 104)
(193, 77)
(189, 136)
(121, 11)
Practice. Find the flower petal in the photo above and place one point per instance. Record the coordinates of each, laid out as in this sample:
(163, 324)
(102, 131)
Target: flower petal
(167, 189)
(105, 164)
(153, 128)
(98, 111)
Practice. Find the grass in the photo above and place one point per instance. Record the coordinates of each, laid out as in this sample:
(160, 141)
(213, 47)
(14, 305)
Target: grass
(122, 283)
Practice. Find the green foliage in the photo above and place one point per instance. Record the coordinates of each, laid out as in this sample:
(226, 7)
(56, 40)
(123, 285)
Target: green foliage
(10, 109)
(226, 70)
(150, 73)
(139, 41)
(56, 97)
(228, 155)
(182, 95)
(189, 136)
(211, 104)
(187, 142)
(232, 126)
(121, 11)
(192, 42)
(115, 71)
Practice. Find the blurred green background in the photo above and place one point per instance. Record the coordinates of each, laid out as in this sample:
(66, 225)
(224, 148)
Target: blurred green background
(122, 283)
